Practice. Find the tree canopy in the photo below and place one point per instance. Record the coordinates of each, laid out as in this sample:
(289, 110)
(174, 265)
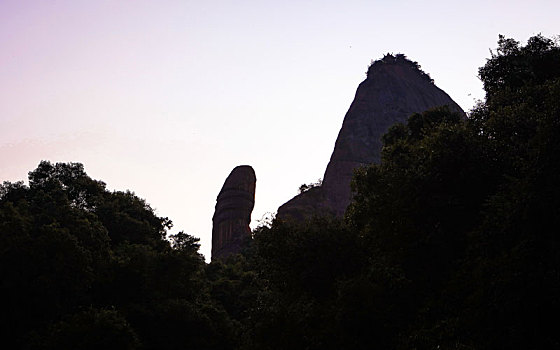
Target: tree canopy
(83, 267)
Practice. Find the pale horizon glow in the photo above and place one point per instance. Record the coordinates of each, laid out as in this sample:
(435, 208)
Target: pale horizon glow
(165, 98)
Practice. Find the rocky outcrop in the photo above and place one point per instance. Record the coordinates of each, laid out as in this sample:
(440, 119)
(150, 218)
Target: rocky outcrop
(394, 89)
(232, 216)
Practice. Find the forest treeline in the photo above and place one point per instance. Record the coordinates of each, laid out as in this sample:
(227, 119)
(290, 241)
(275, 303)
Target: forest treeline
(450, 243)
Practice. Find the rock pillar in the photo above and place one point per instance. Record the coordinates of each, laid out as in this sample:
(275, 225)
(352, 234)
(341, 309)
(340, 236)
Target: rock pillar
(232, 216)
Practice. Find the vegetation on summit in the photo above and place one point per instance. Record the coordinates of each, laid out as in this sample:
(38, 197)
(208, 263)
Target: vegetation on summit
(307, 187)
(399, 58)
(451, 242)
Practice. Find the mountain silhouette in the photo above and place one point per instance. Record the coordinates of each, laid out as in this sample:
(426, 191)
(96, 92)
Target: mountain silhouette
(394, 89)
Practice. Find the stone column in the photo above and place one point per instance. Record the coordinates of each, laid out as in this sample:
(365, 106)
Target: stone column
(232, 216)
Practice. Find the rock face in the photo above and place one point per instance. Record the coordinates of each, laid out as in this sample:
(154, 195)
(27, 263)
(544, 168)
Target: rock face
(394, 89)
(232, 216)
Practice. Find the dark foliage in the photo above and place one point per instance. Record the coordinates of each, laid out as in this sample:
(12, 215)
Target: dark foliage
(82, 267)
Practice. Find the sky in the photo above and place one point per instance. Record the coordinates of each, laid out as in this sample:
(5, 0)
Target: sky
(164, 98)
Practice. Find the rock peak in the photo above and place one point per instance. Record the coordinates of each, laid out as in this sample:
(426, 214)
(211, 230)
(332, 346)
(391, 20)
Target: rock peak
(232, 215)
(395, 88)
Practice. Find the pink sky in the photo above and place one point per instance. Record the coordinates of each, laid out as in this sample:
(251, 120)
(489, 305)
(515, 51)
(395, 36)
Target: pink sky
(165, 97)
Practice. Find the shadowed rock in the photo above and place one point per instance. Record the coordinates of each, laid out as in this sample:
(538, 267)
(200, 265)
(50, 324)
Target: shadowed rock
(394, 89)
(232, 216)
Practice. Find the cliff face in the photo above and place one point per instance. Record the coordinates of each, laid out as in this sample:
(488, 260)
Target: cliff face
(232, 216)
(395, 88)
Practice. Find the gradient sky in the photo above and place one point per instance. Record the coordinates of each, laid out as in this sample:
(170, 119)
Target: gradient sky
(165, 98)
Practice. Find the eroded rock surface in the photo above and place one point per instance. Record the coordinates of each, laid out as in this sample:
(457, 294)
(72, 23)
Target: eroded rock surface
(394, 89)
(232, 216)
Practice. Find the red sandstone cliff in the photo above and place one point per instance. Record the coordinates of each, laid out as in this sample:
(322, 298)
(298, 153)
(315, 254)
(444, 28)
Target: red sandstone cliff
(232, 216)
(394, 89)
